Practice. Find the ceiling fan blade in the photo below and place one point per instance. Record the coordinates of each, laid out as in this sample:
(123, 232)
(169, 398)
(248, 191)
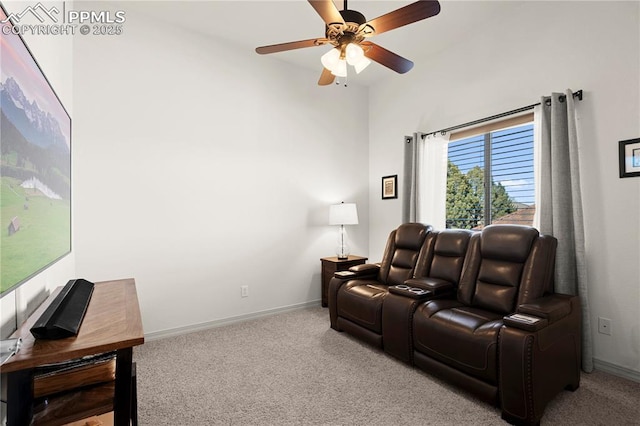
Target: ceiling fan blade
(326, 78)
(291, 45)
(405, 15)
(386, 57)
(327, 11)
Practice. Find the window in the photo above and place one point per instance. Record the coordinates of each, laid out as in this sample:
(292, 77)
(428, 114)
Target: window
(490, 179)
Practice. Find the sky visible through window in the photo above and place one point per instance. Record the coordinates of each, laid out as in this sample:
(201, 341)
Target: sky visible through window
(511, 158)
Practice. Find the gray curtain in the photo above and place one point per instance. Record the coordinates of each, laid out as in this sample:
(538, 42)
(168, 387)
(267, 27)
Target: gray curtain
(410, 179)
(561, 204)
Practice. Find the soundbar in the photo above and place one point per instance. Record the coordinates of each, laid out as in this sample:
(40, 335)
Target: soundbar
(63, 316)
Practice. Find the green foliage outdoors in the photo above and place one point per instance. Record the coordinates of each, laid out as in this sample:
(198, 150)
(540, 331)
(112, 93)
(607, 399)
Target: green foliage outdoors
(465, 198)
(44, 233)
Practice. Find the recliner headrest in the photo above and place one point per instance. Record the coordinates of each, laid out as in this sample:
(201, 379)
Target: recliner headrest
(507, 242)
(452, 242)
(411, 235)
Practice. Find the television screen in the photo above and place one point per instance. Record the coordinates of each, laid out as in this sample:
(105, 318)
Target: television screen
(35, 165)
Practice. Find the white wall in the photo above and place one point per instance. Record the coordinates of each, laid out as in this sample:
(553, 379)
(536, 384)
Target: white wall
(54, 55)
(202, 167)
(594, 46)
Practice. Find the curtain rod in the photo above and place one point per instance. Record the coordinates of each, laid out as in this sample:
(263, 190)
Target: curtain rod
(577, 94)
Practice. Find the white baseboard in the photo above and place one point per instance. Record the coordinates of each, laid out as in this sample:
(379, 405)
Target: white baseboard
(226, 321)
(616, 370)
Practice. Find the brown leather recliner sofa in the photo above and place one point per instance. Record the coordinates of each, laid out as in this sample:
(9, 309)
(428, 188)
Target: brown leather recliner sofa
(479, 311)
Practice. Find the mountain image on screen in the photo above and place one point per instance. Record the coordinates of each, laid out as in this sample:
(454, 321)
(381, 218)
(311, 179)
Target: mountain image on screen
(38, 127)
(36, 139)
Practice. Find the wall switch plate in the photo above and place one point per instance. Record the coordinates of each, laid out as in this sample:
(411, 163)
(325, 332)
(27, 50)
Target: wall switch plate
(604, 326)
(244, 291)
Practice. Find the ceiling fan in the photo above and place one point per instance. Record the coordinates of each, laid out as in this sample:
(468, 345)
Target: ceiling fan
(348, 31)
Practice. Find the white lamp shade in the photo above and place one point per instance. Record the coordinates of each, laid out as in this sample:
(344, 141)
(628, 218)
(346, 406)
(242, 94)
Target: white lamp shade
(343, 214)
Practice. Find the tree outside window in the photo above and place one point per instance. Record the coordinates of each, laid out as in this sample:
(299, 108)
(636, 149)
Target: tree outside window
(509, 156)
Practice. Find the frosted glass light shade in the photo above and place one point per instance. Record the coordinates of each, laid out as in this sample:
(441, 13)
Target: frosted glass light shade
(343, 214)
(361, 64)
(354, 53)
(340, 70)
(330, 59)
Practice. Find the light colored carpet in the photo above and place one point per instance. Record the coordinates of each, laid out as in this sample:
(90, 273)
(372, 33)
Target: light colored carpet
(292, 369)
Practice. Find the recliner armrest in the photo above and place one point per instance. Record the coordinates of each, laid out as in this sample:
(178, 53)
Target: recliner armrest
(358, 271)
(540, 313)
(436, 286)
(552, 308)
(525, 322)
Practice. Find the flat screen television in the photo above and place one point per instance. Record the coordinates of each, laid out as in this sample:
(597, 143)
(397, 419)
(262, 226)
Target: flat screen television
(35, 165)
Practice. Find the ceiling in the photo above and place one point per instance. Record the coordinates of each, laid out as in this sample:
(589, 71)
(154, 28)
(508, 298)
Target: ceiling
(249, 24)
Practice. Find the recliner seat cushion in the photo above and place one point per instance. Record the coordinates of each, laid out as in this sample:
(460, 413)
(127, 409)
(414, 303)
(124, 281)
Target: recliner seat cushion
(463, 337)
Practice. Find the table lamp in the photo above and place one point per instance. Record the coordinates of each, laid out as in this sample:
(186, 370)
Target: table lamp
(343, 214)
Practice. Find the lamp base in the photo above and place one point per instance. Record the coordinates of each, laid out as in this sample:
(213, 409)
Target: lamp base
(343, 249)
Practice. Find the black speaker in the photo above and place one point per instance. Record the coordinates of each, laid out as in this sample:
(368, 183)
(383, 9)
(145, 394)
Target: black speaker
(63, 316)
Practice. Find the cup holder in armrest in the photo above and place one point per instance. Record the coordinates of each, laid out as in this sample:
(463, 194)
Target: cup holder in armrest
(413, 292)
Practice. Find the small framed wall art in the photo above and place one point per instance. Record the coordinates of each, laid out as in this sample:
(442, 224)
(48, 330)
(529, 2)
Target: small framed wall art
(389, 187)
(629, 153)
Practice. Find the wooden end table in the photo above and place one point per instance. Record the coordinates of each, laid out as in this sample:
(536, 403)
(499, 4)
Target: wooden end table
(112, 323)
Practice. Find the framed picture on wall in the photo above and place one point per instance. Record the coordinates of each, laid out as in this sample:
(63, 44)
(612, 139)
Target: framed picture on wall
(629, 153)
(389, 187)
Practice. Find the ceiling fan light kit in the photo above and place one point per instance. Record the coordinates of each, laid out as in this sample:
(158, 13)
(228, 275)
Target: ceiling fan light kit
(336, 60)
(348, 30)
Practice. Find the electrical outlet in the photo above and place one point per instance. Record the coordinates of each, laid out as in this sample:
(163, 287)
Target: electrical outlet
(244, 291)
(604, 326)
